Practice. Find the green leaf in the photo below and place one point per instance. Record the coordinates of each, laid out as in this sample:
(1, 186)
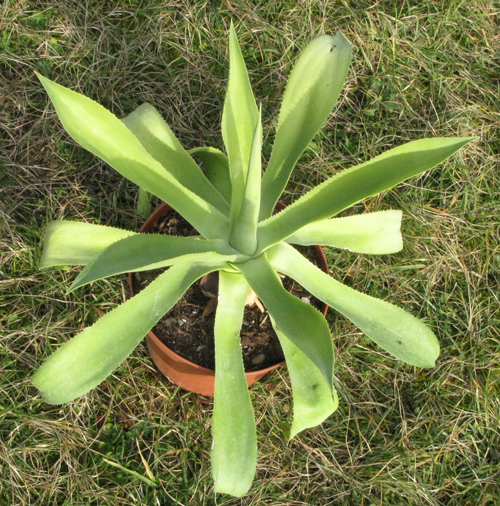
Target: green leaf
(304, 325)
(143, 252)
(313, 402)
(393, 329)
(215, 165)
(311, 92)
(160, 142)
(234, 453)
(243, 232)
(239, 119)
(143, 208)
(357, 183)
(374, 233)
(75, 243)
(104, 135)
(88, 358)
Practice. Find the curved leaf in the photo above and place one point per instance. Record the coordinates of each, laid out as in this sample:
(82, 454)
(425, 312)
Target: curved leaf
(313, 88)
(215, 166)
(304, 325)
(374, 233)
(392, 328)
(357, 183)
(76, 243)
(313, 401)
(104, 135)
(160, 142)
(234, 452)
(144, 252)
(88, 358)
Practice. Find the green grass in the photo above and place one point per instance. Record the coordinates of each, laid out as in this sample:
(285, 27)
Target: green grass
(401, 435)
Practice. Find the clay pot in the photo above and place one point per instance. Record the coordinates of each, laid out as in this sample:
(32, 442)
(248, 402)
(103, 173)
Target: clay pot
(182, 372)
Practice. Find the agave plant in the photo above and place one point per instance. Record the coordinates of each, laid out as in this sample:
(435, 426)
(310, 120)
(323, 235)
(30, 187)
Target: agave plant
(231, 205)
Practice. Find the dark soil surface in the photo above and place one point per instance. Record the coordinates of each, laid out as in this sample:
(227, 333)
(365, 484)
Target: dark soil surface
(188, 328)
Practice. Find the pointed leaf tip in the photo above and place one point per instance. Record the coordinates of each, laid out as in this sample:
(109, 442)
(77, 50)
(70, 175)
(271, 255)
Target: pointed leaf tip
(312, 90)
(103, 134)
(357, 183)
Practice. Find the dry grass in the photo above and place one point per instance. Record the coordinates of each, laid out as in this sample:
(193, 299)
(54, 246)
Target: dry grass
(401, 435)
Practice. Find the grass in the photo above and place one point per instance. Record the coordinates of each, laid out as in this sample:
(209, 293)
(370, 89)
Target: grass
(401, 435)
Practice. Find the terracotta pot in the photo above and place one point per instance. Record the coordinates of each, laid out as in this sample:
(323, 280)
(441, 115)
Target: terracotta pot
(182, 372)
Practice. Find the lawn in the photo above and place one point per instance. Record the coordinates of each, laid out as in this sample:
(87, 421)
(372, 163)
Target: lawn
(402, 435)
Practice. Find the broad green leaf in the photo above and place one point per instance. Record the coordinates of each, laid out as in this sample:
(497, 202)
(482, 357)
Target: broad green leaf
(234, 451)
(357, 183)
(75, 243)
(104, 135)
(392, 328)
(160, 142)
(374, 233)
(243, 232)
(313, 401)
(310, 95)
(143, 207)
(303, 324)
(144, 252)
(239, 119)
(88, 358)
(215, 165)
